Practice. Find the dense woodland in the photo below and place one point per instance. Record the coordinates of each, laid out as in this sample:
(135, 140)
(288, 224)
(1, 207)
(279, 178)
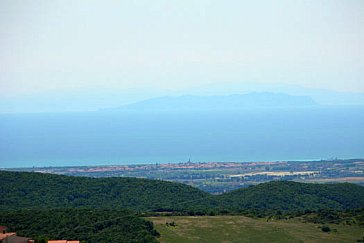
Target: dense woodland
(87, 225)
(93, 209)
(36, 190)
(293, 197)
(46, 191)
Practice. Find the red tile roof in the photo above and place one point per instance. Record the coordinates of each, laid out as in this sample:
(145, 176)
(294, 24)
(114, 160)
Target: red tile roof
(63, 241)
(6, 235)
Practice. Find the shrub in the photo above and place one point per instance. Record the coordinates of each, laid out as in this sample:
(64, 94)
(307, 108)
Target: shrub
(325, 228)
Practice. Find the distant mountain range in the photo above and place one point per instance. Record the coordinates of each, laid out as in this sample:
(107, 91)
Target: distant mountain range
(221, 102)
(93, 100)
(321, 96)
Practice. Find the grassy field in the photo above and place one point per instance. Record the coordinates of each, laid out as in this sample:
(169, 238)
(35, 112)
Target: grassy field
(244, 229)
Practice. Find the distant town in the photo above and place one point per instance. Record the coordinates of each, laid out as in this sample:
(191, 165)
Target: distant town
(220, 177)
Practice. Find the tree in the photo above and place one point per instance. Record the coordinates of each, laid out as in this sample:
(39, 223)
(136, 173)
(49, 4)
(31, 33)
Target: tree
(325, 228)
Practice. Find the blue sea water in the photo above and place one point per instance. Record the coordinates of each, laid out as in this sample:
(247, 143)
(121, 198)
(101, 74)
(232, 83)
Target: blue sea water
(117, 137)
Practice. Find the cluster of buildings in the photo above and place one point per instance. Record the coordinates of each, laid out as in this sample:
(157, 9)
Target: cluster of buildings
(63, 241)
(11, 237)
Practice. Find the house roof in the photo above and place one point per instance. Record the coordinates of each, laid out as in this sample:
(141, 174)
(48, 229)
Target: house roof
(6, 235)
(63, 241)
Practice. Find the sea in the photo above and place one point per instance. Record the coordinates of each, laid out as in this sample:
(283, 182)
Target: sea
(117, 137)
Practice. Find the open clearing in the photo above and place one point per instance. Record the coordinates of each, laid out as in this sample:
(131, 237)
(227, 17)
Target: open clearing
(244, 229)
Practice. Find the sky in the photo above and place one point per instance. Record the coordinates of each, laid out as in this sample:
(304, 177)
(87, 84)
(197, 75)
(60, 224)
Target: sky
(71, 46)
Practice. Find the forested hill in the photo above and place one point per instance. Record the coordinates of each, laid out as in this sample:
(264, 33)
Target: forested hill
(87, 225)
(37, 191)
(294, 197)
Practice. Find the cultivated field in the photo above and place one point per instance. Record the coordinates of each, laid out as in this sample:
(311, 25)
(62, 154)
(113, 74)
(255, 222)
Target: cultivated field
(244, 229)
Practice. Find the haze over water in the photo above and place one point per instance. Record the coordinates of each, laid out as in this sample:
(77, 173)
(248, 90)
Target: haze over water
(120, 137)
(62, 61)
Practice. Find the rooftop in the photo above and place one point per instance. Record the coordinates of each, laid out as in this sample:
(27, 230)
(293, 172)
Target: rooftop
(6, 235)
(63, 241)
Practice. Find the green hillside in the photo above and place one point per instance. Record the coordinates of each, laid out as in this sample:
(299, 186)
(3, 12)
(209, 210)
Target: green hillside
(21, 190)
(36, 190)
(208, 229)
(279, 196)
(46, 206)
(88, 225)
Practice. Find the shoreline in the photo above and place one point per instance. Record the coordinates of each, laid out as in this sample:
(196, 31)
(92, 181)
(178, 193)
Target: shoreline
(179, 164)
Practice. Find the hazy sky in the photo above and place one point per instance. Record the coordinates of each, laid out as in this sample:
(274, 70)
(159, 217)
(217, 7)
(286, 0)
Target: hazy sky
(116, 45)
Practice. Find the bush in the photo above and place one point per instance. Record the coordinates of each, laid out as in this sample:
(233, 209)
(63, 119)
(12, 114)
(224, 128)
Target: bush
(325, 228)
